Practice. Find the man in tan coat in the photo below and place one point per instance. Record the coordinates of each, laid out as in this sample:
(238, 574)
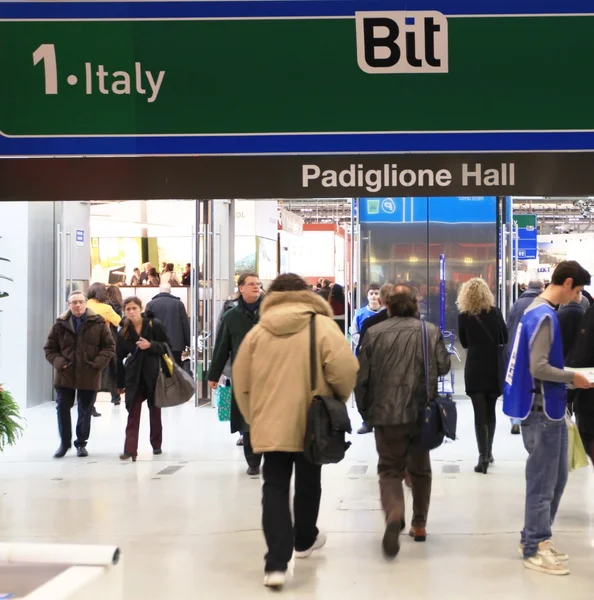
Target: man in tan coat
(271, 378)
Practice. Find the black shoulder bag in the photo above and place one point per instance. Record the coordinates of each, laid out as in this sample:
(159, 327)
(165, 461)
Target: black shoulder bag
(327, 419)
(501, 355)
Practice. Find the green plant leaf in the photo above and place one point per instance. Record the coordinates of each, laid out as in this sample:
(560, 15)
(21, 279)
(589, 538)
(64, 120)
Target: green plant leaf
(10, 420)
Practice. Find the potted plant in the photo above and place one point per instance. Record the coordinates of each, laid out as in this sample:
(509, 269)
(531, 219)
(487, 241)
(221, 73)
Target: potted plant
(10, 427)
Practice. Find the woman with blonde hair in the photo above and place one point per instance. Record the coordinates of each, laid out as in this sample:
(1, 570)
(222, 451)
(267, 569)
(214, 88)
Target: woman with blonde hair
(483, 333)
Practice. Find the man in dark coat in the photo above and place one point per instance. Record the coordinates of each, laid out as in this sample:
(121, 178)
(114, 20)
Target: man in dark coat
(170, 310)
(570, 316)
(79, 347)
(235, 325)
(582, 355)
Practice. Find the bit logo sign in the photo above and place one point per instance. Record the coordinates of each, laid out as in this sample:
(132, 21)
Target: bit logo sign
(402, 42)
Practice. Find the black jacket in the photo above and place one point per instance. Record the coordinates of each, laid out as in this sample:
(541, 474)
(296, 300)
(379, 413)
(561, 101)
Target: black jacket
(391, 386)
(582, 355)
(376, 319)
(480, 370)
(170, 310)
(235, 325)
(570, 317)
(139, 374)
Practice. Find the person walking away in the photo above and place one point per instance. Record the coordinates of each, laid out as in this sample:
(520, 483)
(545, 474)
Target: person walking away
(337, 302)
(170, 311)
(481, 330)
(79, 346)
(187, 275)
(98, 302)
(391, 395)
(373, 318)
(110, 375)
(272, 382)
(142, 341)
(582, 356)
(235, 325)
(535, 288)
(535, 392)
(169, 276)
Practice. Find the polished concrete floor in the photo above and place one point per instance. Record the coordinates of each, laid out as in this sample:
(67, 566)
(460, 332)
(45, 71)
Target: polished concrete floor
(188, 522)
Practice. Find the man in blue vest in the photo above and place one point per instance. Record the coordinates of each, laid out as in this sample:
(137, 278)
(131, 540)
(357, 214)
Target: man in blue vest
(535, 392)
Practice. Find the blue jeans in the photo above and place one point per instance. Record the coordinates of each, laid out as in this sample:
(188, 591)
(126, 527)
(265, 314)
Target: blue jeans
(516, 421)
(546, 475)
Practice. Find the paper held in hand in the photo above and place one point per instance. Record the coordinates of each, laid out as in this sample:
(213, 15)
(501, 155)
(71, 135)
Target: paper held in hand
(587, 371)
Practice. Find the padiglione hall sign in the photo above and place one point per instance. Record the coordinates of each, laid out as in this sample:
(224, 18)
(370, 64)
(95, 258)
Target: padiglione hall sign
(329, 97)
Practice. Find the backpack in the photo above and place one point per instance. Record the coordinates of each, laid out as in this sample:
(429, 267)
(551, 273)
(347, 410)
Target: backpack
(328, 420)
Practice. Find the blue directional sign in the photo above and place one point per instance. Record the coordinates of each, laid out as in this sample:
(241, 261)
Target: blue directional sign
(527, 237)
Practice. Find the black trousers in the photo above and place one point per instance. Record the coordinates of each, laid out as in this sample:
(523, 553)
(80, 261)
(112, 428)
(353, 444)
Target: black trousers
(64, 403)
(251, 458)
(177, 357)
(281, 536)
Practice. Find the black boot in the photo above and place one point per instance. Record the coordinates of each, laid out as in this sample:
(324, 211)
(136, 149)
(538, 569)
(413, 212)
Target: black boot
(482, 441)
(491, 428)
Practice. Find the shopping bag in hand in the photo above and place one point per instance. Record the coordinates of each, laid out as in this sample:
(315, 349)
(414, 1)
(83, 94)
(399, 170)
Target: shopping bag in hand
(578, 459)
(223, 397)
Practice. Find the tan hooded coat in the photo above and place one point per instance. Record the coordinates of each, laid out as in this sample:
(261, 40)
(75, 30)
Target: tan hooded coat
(271, 373)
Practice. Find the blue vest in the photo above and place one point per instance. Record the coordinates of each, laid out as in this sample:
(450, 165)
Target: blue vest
(520, 386)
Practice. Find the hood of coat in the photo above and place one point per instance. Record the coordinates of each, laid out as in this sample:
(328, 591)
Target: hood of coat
(286, 313)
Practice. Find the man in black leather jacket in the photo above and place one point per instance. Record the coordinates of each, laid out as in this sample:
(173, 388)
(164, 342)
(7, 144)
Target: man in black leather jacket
(391, 393)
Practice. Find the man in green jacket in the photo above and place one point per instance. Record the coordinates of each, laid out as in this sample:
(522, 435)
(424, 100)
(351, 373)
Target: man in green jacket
(235, 324)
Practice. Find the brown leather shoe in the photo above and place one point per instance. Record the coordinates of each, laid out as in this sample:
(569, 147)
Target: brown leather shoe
(419, 534)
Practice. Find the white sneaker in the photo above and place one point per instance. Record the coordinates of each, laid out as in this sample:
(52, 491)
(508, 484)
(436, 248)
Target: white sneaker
(276, 580)
(318, 545)
(560, 556)
(545, 561)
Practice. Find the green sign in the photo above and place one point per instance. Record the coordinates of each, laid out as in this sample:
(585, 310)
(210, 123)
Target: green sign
(525, 222)
(288, 75)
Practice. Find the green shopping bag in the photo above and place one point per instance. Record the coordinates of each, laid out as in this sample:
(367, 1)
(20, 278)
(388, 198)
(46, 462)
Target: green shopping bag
(578, 459)
(223, 398)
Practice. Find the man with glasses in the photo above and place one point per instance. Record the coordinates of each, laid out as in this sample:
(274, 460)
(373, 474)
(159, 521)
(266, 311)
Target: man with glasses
(79, 347)
(235, 325)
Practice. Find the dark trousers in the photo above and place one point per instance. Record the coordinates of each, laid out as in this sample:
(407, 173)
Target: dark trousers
(64, 403)
(177, 357)
(133, 426)
(400, 451)
(281, 536)
(252, 459)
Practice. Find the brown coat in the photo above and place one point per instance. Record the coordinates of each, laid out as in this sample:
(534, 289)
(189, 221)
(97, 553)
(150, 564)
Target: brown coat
(78, 360)
(271, 373)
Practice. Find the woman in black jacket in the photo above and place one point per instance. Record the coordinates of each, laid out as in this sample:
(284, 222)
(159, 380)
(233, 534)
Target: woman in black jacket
(142, 341)
(482, 331)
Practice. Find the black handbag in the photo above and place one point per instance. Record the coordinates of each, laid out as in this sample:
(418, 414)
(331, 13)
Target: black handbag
(439, 418)
(502, 356)
(328, 419)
